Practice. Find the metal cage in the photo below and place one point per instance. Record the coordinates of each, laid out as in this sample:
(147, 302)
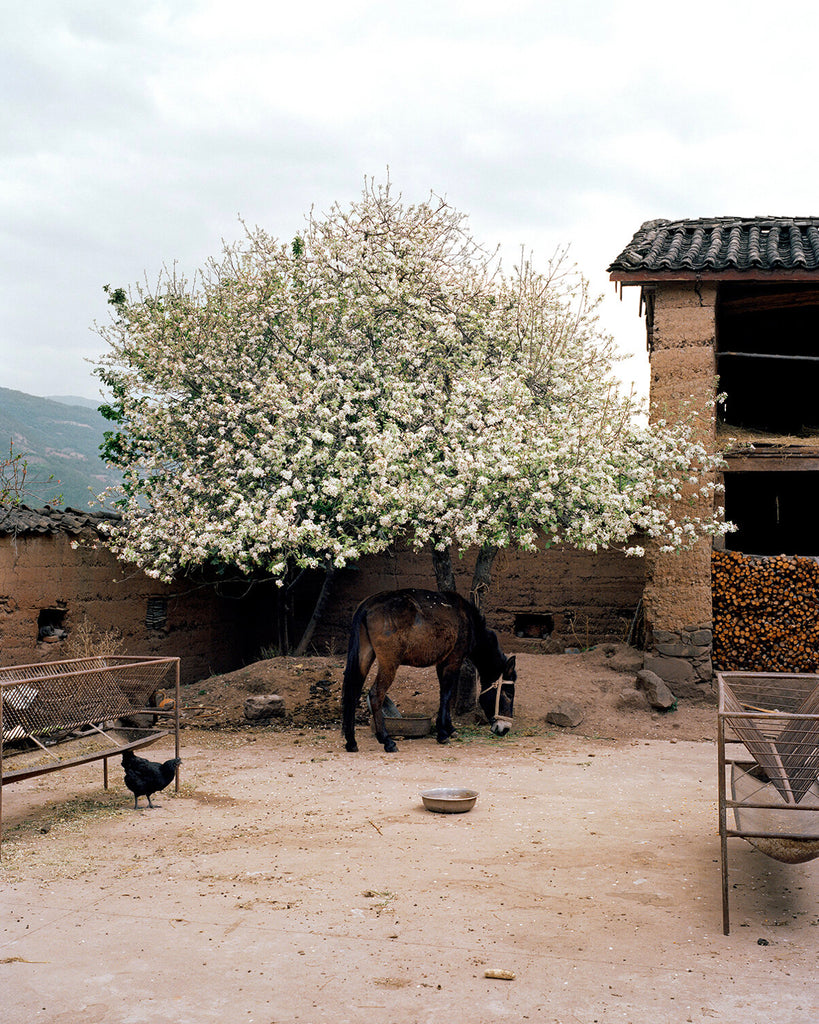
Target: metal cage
(55, 706)
(768, 766)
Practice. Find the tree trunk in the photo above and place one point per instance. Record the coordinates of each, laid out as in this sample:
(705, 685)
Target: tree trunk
(318, 611)
(442, 563)
(282, 630)
(482, 576)
(466, 694)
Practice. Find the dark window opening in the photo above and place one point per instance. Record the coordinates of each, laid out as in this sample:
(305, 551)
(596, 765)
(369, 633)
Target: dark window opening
(156, 616)
(533, 626)
(768, 357)
(775, 513)
(50, 624)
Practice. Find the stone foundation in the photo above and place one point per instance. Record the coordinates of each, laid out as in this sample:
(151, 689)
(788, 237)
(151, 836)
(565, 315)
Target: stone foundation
(682, 659)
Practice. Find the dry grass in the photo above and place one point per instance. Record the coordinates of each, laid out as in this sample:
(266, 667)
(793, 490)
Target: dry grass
(87, 641)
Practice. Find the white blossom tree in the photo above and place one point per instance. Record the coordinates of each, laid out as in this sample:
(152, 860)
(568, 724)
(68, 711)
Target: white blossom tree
(381, 377)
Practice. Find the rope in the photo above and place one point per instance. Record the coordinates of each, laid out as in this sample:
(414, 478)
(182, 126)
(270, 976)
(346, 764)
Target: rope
(496, 686)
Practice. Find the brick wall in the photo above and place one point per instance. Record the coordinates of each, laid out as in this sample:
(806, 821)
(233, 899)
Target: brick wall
(575, 598)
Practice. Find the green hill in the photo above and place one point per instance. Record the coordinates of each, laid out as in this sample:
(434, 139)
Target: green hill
(58, 440)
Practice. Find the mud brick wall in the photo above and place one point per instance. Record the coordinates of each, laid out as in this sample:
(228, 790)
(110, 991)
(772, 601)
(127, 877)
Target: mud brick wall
(48, 572)
(766, 613)
(677, 597)
(580, 597)
(567, 598)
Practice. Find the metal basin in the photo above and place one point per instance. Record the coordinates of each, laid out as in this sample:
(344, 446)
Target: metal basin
(408, 726)
(449, 801)
(398, 725)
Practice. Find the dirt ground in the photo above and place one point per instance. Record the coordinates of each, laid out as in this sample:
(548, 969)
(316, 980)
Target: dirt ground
(290, 881)
(600, 681)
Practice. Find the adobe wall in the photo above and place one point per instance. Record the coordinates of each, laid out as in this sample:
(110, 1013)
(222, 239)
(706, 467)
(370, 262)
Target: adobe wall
(47, 571)
(576, 599)
(677, 598)
(587, 596)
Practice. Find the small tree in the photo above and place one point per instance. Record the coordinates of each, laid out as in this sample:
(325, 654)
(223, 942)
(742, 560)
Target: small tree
(17, 483)
(13, 472)
(381, 377)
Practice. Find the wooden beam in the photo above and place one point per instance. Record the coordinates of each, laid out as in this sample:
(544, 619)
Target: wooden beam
(771, 464)
(771, 276)
(768, 355)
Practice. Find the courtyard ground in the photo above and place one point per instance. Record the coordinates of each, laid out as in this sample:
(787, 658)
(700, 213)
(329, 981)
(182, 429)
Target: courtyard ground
(290, 881)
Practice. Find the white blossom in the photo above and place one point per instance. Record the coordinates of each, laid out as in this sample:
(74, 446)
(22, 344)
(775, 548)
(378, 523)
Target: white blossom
(303, 405)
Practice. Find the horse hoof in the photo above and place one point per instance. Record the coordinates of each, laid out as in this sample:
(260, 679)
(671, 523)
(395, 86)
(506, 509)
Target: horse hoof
(352, 746)
(390, 746)
(443, 738)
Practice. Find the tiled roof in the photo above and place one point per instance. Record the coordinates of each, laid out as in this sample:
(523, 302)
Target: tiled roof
(715, 245)
(20, 520)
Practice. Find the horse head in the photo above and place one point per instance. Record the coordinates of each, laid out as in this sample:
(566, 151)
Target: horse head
(498, 676)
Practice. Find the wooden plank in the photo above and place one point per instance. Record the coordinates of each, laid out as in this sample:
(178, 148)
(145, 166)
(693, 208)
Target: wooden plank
(756, 300)
(73, 762)
(761, 463)
(643, 276)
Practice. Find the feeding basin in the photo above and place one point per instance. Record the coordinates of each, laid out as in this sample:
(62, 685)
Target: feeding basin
(449, 801)
(408, 726)
(402, 726)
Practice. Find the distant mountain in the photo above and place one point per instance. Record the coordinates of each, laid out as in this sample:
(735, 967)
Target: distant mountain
(86, 403)
(59, 438)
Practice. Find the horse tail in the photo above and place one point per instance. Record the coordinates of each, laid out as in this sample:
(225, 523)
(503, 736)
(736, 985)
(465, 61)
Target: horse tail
(353, 682)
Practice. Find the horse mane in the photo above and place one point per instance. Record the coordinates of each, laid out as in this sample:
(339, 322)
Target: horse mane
(477, 621)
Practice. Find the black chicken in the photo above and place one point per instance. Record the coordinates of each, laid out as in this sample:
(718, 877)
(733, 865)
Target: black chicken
(144, 777)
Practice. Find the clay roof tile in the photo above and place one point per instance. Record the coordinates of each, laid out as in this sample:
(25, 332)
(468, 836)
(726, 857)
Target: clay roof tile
(20, 520)
(712, 245)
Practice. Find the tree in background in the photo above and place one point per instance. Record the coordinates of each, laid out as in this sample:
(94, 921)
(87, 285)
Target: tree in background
(381, 378)
(13, 472)
(17, 484)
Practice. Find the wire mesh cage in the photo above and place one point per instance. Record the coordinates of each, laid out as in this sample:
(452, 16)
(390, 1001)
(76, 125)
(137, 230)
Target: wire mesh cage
(768, 750)
(46, 700)
(61, 714)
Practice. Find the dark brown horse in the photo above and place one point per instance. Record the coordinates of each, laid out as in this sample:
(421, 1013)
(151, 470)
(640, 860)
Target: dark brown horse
(422, 628)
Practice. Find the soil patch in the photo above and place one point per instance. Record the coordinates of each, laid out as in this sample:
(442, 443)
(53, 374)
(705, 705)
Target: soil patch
(291, 881)
(600, 681)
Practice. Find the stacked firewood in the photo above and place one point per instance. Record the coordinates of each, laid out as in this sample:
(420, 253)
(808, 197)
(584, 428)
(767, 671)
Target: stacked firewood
(766, 612)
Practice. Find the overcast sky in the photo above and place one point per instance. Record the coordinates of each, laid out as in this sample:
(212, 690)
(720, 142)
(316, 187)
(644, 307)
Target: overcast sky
(136, 134)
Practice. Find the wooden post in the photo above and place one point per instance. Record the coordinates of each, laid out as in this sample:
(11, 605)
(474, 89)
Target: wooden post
(176, 720)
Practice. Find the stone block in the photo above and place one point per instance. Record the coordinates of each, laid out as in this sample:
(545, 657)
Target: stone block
(625, 659)
(264, 705)
(657, 693)
(566, 714)
(673, 671)
(666, 636)
(677, 650)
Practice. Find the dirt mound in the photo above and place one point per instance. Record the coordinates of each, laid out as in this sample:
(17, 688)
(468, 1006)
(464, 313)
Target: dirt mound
(600, 681)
